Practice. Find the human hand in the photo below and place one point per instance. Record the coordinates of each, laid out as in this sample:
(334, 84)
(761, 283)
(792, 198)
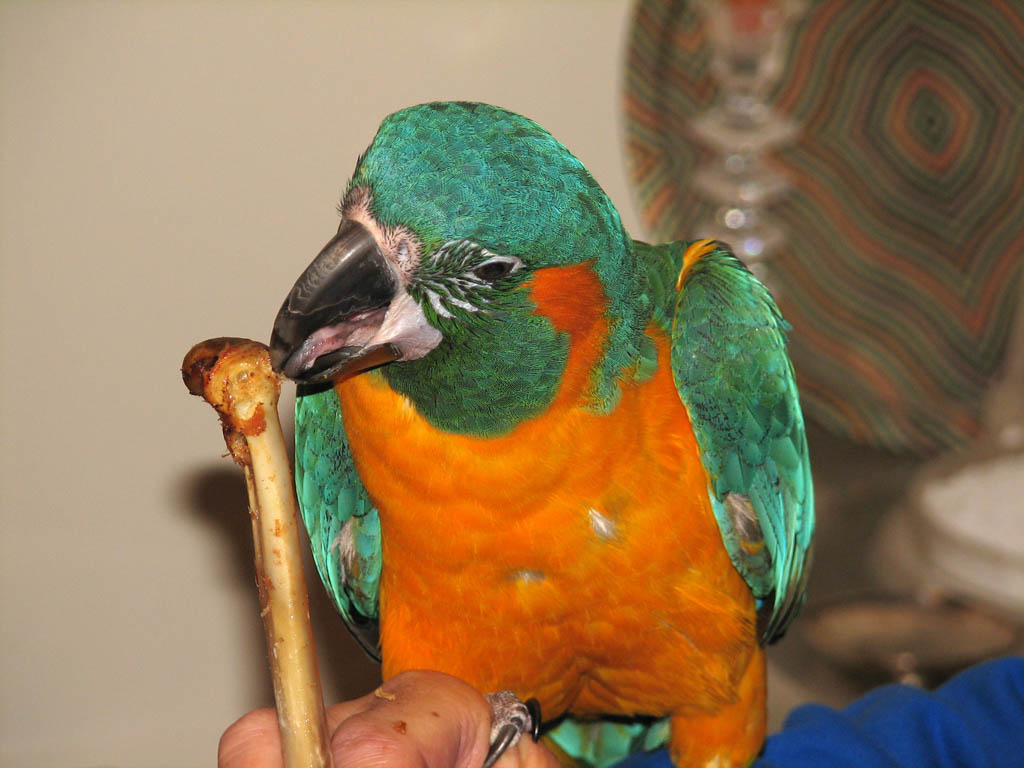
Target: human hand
(415, 720)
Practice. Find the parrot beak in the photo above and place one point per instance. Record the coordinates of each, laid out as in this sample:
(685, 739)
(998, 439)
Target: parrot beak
(334, 309)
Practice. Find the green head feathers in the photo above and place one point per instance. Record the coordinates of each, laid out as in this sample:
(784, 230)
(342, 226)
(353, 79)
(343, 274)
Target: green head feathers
(452, 171)
(487, 197)
(460, 171)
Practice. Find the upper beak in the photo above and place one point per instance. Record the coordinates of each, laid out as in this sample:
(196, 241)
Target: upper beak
(346, 288)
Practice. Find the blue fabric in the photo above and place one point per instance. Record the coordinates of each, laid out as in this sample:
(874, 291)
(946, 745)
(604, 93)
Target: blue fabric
(976, 720)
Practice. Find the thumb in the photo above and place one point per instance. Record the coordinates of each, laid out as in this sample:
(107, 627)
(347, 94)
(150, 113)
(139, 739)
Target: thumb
(417, 719)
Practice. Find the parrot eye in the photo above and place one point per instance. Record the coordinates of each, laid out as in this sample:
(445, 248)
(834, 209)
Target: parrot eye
(497, 268)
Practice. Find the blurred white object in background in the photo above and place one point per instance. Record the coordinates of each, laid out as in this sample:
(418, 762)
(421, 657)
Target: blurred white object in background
(971, 517)
(953, 553)
(972, 531)
(962, 528)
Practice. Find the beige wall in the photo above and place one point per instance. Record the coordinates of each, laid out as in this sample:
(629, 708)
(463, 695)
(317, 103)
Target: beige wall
(167, 170)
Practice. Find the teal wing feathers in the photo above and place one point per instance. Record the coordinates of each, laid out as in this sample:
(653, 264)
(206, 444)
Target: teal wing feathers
(733, 374)
(343, 525)
(603, 743)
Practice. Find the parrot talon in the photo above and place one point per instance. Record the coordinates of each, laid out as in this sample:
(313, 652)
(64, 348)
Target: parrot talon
(506, 737)
(511, 718)
(534, 706)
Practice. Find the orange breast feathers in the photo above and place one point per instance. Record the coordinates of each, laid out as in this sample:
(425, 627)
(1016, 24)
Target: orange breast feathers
(575, 559)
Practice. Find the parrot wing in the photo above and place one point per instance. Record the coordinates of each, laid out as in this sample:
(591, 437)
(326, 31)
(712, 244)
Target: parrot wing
(735, 378)
(730, 366)
(343, 525)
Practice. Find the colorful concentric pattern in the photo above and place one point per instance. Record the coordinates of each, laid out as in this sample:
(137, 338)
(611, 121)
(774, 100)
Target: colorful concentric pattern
(906, 218)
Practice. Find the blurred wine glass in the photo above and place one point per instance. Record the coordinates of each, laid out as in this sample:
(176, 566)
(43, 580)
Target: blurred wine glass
(749, 43)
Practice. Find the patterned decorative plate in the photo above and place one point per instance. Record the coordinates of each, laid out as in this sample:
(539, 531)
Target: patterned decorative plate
(906, 217)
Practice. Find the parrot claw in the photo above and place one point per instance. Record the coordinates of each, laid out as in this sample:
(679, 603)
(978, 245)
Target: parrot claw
(510, 718)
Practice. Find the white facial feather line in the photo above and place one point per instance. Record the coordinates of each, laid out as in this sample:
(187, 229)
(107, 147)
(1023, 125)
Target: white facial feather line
(437, 304)
(442, 310)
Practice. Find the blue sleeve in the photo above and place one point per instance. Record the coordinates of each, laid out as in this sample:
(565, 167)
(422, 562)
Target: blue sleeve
(975, 720)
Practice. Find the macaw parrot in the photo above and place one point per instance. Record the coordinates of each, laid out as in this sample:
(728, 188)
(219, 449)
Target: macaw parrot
(541, 456)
